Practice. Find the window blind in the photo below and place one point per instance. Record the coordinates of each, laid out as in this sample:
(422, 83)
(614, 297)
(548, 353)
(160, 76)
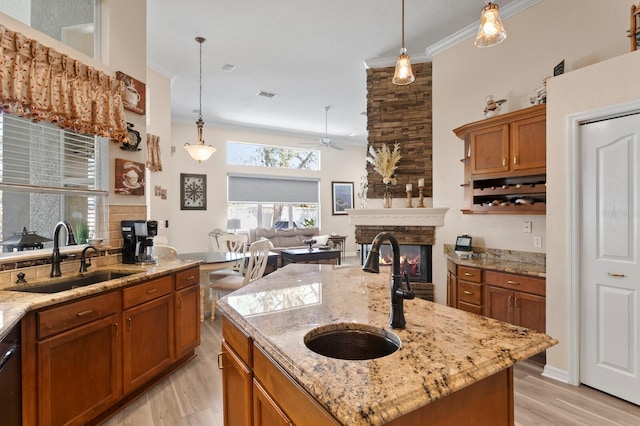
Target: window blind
(270, 189)
(43, 158)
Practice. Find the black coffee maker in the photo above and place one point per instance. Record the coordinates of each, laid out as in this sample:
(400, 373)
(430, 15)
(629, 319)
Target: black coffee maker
(138, 240)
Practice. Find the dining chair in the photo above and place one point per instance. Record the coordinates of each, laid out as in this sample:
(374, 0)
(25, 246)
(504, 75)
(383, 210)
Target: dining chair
(234, 244)
(258, 256)
(164, 253)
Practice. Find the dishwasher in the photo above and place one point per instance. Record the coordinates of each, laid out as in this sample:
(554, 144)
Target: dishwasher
(11, 379)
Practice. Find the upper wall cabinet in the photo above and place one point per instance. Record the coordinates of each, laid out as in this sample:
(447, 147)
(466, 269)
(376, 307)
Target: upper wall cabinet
(505, 163)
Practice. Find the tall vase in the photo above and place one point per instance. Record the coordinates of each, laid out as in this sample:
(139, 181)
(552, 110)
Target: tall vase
(387, 199)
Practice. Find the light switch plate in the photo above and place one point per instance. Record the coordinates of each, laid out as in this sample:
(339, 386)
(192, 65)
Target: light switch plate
(526, 227)
(537, 241)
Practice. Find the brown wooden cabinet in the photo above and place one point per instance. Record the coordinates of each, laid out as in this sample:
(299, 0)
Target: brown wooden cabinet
(470, 289)
(85, 358)
(516, 299)
(505, 163)
(265, 410)
(236, 388)
(452, 284)
(78, 365)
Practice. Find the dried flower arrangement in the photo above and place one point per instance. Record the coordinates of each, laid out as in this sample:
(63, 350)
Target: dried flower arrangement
(385, 162)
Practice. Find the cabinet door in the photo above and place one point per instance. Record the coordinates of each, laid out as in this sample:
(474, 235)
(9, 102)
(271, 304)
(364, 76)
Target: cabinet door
(498, 303)
(265, 411)
(148, 341)
(236, 389)
(529, 311)
(490, 150)
(187, 302)
(529, 144)
(79, 372)
(452, 290)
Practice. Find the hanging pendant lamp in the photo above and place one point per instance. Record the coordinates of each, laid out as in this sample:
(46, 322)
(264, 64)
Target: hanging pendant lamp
(491, 31)
(200, 152)
(404, 73)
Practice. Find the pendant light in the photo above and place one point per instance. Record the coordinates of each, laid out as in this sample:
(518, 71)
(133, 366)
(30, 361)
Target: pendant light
(404, 73)
(200, 152)
(491, 31)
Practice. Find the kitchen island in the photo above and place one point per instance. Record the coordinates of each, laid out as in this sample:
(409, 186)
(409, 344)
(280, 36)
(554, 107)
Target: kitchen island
(446, 355)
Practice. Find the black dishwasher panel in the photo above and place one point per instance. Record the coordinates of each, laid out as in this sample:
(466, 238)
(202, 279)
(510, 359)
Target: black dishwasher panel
(11, 379)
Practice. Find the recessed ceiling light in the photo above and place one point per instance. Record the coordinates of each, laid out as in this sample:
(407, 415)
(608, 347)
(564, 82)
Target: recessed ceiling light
(228, 67)
(265, 94)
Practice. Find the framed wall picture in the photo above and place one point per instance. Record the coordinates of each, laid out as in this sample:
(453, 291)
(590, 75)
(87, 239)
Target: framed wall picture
(341, 197)
(129, 177)
(193, 192)
(133, 93)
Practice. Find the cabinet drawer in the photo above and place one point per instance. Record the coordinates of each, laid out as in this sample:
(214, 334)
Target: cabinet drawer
(187, 278)
(516, 282)
(238, 340)
(470, 274)
(470, 292)
(60, 318)
(474, 309)
(144, 292)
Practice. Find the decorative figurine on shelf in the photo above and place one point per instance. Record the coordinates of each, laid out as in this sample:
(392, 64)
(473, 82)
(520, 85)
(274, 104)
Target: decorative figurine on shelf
(492, 108)
(409, 188)
(310, 242)
(421, 193)
(541, 93)
(385, 162)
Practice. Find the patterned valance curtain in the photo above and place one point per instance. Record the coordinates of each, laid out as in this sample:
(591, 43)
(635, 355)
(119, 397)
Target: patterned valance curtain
(154, 160)
(40, 83)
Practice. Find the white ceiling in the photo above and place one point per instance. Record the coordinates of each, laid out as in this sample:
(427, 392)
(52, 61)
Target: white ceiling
(310, 53)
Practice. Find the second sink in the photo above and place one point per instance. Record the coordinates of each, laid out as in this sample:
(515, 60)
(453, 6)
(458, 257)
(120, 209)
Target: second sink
(352, 341)
(64, 284)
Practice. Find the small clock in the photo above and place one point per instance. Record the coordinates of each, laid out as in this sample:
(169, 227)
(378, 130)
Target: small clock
(134, 139)
(193, 192)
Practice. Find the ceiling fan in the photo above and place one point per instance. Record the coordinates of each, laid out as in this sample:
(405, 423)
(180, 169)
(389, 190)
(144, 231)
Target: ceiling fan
(325, 141)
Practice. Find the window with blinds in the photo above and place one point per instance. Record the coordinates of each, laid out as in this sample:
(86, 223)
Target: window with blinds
(48, 174)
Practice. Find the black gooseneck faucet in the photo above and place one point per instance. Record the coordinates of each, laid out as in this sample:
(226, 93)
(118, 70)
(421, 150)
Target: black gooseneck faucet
(85, 261)
(56, 258)
(372, 264)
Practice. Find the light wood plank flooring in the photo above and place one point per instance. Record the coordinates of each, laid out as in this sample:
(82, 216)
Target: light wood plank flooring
(192, 396)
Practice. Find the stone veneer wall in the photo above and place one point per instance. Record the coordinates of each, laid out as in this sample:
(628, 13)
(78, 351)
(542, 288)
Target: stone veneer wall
(401, 114)
(412, 235)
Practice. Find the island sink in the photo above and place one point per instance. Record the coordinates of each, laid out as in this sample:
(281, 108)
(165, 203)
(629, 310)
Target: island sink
(352, 341)
(58, 285)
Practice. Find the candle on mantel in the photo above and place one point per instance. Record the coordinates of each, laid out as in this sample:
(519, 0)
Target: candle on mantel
(409, 187)
(421, 182)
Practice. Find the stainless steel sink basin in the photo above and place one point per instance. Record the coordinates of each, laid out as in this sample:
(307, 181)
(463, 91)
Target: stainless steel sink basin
(352, 341)
(63, 284)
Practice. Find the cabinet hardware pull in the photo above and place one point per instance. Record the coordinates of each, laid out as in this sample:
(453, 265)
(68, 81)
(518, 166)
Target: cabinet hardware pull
(467, 274)
(613, 274)
(129, 324)
(515, 159)
(190, 277)
(504, 162)
(179, 302)
(153, 290)
(220, 365)
(510, 300)
(513, 282)
(468, 292)
(83, 313)
(515, 302)
(115, 329)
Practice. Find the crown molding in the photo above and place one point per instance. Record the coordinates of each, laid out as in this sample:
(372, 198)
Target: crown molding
(416, 58)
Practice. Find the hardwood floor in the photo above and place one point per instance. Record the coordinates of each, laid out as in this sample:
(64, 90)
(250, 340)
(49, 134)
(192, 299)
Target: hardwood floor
(192, 396)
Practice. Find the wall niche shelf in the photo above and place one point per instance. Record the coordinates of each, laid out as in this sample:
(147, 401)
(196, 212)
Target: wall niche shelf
(505, 163)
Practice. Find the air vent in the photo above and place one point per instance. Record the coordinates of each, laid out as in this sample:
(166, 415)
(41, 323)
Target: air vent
(266, 94)
(228, 67)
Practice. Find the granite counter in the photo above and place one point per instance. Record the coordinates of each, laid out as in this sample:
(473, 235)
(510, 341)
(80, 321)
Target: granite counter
(443, 349)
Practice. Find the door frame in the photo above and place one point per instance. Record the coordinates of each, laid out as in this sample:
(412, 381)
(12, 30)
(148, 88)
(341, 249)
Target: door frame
(573, 122)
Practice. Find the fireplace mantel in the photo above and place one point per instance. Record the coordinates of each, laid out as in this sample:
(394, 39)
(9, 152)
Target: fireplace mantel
(433, 216)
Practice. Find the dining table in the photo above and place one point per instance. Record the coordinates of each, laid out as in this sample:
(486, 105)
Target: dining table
(215, 260)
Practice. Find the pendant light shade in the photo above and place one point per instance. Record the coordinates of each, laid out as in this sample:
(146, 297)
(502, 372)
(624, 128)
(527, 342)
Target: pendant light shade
(491, 31)
(404, 73)
(200, 152)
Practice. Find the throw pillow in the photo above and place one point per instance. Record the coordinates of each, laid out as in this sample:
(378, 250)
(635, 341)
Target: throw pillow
(321, 240)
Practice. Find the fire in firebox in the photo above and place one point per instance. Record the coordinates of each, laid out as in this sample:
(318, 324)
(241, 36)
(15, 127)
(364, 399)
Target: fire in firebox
(415, 260)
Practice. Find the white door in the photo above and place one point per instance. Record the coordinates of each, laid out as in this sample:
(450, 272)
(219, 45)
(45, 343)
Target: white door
(610, 256)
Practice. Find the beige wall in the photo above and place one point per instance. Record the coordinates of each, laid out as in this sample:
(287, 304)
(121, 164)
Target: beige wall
(582, 32)
(188, 230)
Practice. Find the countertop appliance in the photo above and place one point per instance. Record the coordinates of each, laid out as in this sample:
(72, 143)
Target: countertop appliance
(138, 240)
(11, 379)
(463, 246)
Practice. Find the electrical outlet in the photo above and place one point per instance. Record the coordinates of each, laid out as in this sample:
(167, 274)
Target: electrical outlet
(537, 241)
(526, 228)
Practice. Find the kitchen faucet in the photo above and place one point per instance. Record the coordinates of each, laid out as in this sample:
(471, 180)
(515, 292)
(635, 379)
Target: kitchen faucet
(56, 257)
(84, 259)
(372, 264)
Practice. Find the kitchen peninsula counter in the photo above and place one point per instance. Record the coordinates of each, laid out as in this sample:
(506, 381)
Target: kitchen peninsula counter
(443, 350)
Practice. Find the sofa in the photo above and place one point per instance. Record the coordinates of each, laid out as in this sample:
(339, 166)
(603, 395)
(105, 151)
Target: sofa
(289, 238)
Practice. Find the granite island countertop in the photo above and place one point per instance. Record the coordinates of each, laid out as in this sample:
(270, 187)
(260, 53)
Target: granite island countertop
(443, 349)
(15, 304)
